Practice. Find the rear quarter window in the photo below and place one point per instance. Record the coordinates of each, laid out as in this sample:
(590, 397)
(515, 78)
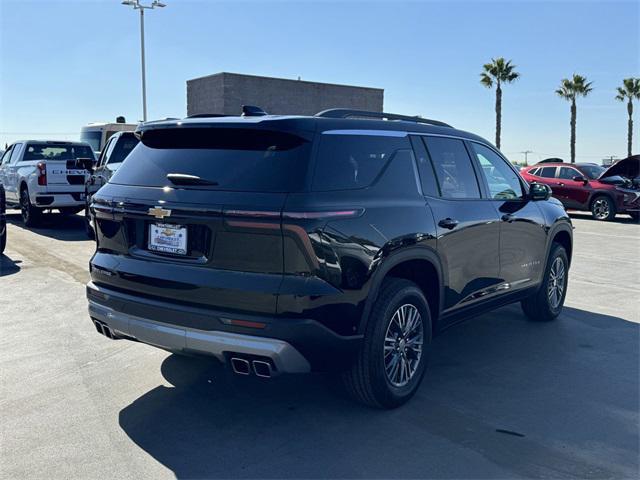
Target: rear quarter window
(351, 161)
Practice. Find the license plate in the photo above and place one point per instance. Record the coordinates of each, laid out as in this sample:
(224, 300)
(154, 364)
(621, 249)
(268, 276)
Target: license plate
(168, 238)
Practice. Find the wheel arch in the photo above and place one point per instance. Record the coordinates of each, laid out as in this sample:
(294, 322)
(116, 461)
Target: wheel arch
(422, 266)
(562, 234)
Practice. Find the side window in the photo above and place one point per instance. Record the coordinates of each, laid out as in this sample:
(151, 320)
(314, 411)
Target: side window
(534, 171)
(503, 182)
(568, 173)
(547, 172)
(104, 155)
(15, 153)
(453, 168)
(425, 169)
(6, 156)
(348, 162)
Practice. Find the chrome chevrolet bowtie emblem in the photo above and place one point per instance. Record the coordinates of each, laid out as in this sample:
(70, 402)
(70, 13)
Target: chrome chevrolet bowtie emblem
(159, 212)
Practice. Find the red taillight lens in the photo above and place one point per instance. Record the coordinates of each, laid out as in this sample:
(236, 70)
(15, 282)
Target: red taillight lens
(42, 173)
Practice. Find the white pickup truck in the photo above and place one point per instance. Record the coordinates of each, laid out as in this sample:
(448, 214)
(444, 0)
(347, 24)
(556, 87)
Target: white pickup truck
(41, 175)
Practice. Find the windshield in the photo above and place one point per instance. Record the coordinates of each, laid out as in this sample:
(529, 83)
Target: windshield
(592, 171)
(234, 159)
(92, 137)
(53, 151)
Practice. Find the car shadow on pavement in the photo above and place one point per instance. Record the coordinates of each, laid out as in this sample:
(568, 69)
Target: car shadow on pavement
(8, 266)
(55, 225)
(503, 398)
(620, 218)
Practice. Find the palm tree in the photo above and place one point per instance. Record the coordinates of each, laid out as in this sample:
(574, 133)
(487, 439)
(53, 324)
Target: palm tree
(498, 71)
(570, 90)
(630, 89)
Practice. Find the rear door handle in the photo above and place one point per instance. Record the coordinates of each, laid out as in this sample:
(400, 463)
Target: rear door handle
(448, 223)
(507, 217)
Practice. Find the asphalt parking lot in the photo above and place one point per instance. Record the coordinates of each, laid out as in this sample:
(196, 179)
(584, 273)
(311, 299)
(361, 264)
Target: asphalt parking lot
(503, 398)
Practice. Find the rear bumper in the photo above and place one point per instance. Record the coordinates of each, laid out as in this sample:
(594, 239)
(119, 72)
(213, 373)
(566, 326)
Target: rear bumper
(53, 200)
(219, 344)
(293, 345)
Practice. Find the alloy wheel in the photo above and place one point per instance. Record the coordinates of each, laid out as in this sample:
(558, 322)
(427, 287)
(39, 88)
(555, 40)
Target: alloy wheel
(556, 284)
(601, 209)
(403, 343)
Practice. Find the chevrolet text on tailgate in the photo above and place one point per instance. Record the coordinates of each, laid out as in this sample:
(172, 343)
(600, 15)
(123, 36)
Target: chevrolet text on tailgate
(40, 175)
(340, 242)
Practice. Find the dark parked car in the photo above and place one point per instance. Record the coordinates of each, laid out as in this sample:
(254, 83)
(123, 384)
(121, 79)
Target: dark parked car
(117, 148)
(282, 244)
(3, 220)
(587, 186)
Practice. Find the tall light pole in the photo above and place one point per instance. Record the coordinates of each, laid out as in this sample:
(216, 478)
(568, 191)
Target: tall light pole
(139, 6)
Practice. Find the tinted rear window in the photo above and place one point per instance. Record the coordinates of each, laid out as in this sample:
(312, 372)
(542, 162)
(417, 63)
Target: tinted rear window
(453, 168)
(547, 172)
(347, 162)
(236, 159)
(54, 151)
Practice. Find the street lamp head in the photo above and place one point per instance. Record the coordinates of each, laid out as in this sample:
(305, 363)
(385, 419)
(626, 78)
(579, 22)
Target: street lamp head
(129, 2)
(158, 4)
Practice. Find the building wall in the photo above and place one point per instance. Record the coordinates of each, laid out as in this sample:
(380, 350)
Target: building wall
(225, 93)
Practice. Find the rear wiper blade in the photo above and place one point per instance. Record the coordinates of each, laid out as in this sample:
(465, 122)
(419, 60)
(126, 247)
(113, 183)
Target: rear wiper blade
(184, 179)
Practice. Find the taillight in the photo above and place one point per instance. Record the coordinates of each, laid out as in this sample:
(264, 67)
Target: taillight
(42, 173)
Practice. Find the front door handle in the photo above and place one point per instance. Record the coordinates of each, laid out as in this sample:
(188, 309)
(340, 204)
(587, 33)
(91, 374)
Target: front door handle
(507, 217)
(448, 223)
(561, 184)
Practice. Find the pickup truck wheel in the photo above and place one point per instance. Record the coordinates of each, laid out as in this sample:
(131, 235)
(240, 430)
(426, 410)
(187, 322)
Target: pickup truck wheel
(603, 208)
(31, 215)
(546, 304)
(392, 359)
(3, 236)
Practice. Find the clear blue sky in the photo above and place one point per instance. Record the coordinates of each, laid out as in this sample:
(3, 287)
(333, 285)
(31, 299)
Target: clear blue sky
(67, 63)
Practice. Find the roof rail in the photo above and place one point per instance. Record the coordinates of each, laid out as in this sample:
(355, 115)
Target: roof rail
(205, 115)
(348, 113)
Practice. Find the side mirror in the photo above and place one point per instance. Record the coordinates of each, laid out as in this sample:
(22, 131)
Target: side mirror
(539, 191)
(580, 178)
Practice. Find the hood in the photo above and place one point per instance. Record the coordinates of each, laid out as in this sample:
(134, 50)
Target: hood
(628, 167)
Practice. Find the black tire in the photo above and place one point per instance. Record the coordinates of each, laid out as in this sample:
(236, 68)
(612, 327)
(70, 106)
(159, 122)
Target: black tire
(70, 210)
(603, 208)
(3, 236)
(541, 306)
(91, 234)
(367, 380)
(31, 215)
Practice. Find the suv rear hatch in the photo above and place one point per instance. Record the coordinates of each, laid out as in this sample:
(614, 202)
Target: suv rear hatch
(194, 216)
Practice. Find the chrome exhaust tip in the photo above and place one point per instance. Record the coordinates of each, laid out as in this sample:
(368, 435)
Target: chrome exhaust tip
(262, 369)
(240, 366)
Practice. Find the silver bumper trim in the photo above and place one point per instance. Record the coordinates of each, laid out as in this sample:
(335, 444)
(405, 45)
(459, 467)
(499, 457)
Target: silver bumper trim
(284, 356)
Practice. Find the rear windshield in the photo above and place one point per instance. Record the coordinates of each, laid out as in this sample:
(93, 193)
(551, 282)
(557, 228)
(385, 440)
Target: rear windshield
(236, 159)
(53, 151)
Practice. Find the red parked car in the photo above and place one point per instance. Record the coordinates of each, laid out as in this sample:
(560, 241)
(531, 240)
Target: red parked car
(587, 186)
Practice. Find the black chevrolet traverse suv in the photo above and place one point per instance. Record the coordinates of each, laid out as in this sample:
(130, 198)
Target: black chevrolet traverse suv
(339, 242)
